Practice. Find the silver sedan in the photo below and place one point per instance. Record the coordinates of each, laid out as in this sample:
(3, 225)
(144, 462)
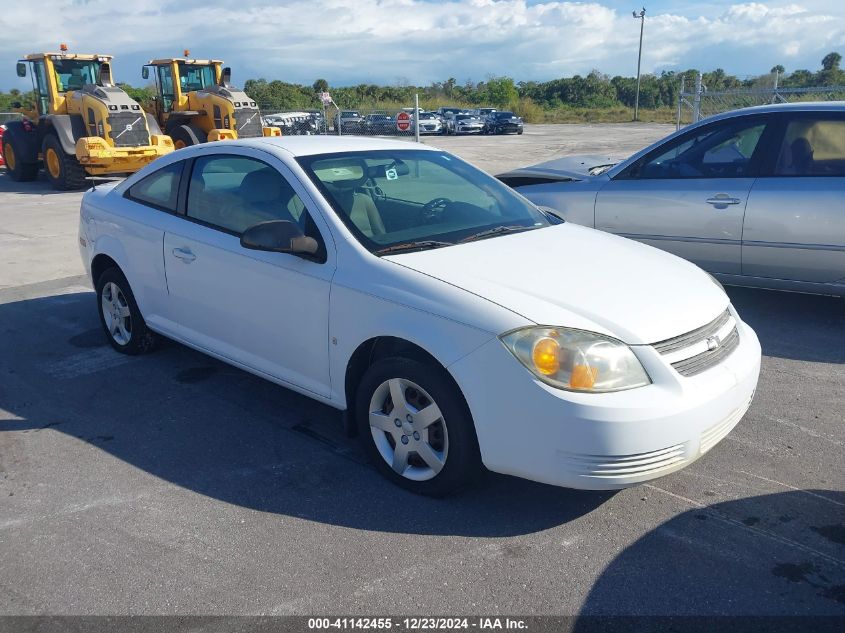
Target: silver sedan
(756, 196)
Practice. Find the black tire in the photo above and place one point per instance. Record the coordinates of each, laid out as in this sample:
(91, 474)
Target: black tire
(141, 339)
(187, 135)
(18, 170)
(462, 460)
(519, 132)
(66, 173)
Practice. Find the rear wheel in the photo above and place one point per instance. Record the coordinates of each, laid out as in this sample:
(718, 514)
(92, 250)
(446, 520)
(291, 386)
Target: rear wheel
(63, 170)
(18, 170)
(416, 427)
(187, 135)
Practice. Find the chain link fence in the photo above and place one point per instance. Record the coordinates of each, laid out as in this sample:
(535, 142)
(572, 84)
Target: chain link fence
(377, 122)
(699, 103)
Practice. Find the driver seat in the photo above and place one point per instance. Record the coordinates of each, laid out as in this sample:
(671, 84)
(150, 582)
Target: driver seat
(360, 208)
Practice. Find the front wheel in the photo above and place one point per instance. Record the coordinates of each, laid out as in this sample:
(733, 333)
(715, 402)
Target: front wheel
(120, 317)
(187, 135)
(416, 427)
(63, 170)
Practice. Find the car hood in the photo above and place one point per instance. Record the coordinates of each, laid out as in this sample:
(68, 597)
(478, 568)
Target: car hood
(572, 276)
(561, 169)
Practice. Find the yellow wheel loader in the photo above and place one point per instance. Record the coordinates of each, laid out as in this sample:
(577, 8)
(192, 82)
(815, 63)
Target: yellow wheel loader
(81, 123)
(196, 103)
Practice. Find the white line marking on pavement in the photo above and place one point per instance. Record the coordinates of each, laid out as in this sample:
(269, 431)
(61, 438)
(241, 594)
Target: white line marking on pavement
(736, 523)
(780, 483)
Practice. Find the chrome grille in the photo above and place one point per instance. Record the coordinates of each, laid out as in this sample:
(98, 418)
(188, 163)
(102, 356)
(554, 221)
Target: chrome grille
(702, 354)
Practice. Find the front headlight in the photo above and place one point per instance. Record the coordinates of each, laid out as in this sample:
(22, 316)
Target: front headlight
(576, 360)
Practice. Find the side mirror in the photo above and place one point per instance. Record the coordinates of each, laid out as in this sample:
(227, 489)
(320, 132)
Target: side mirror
(279, 236)
(21, 68)
(145, 72)
(226, 76)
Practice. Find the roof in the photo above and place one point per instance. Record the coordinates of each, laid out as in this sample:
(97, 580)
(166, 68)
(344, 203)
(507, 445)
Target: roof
(781, 107)
(190, 62)
(329, 144)
(84, 56)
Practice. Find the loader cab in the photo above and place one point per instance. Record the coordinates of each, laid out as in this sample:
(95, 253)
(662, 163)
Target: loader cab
(176, 77)
(55, 74)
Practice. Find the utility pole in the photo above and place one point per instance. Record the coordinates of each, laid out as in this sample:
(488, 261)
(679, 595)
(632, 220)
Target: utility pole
(641, 17)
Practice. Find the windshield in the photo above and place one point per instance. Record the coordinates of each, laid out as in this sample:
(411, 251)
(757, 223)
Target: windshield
(504, 115)
(464, 117)
(427, 116)
(348, 114)
(72, 74)
(193, 77)
(393, 197)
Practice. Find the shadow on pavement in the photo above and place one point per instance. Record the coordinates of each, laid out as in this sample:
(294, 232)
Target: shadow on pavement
(773, 555)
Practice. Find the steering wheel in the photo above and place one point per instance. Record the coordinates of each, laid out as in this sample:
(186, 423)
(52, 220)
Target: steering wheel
(433, 209)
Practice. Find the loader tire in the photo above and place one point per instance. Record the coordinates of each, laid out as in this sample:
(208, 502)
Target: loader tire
(187, 135)
(18, 170)
(63, 170)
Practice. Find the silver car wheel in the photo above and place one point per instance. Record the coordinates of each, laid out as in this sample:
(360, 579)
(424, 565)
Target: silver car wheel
(116, 313)
(408, 429)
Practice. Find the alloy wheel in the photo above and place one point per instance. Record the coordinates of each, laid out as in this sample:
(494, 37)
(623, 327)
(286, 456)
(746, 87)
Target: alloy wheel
(116, 313)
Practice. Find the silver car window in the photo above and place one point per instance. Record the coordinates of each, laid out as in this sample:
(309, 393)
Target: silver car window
(812, 147)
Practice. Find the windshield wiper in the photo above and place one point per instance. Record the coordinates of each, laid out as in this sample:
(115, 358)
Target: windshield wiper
(498, 230)
(421, 245)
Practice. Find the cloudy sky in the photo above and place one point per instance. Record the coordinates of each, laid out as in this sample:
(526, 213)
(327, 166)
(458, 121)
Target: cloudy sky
(419, 41)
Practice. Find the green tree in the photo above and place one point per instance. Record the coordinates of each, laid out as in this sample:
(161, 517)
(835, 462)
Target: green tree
(321, 85)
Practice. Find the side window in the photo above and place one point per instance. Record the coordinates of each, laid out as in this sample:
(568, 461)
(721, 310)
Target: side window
(160, 189)
(721, 150)
(235, 192)
(812, 146)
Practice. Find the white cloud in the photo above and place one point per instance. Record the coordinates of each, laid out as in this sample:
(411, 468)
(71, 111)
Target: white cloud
(351, 41)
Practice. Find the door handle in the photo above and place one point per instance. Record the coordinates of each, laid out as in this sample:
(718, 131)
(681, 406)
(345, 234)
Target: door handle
(184, 254)
(722, 200)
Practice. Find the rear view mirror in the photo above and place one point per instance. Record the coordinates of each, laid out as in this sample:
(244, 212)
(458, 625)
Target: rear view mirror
(145, 72)
(21, 68)
(278, 236)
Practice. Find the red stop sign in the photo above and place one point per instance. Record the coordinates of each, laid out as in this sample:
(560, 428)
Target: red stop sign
(403, 121)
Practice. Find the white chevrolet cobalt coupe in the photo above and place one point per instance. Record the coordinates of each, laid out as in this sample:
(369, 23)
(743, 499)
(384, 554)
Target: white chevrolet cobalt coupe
(457, 323)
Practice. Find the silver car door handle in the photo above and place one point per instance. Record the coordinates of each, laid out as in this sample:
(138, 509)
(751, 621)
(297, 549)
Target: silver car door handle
(722, 200)
(184, 254)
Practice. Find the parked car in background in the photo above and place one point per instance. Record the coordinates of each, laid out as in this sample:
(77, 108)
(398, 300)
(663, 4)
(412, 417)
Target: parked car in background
(447, 112)
(464, 123)
(402, 284)
(755, 196)
(349, 122)
(483, 113)
(503, 123)
(430, 123)
(294, 123)
(379, 124)
(2, 130)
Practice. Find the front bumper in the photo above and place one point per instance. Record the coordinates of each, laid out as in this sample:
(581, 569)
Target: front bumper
(98, 157)
(603, 441)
